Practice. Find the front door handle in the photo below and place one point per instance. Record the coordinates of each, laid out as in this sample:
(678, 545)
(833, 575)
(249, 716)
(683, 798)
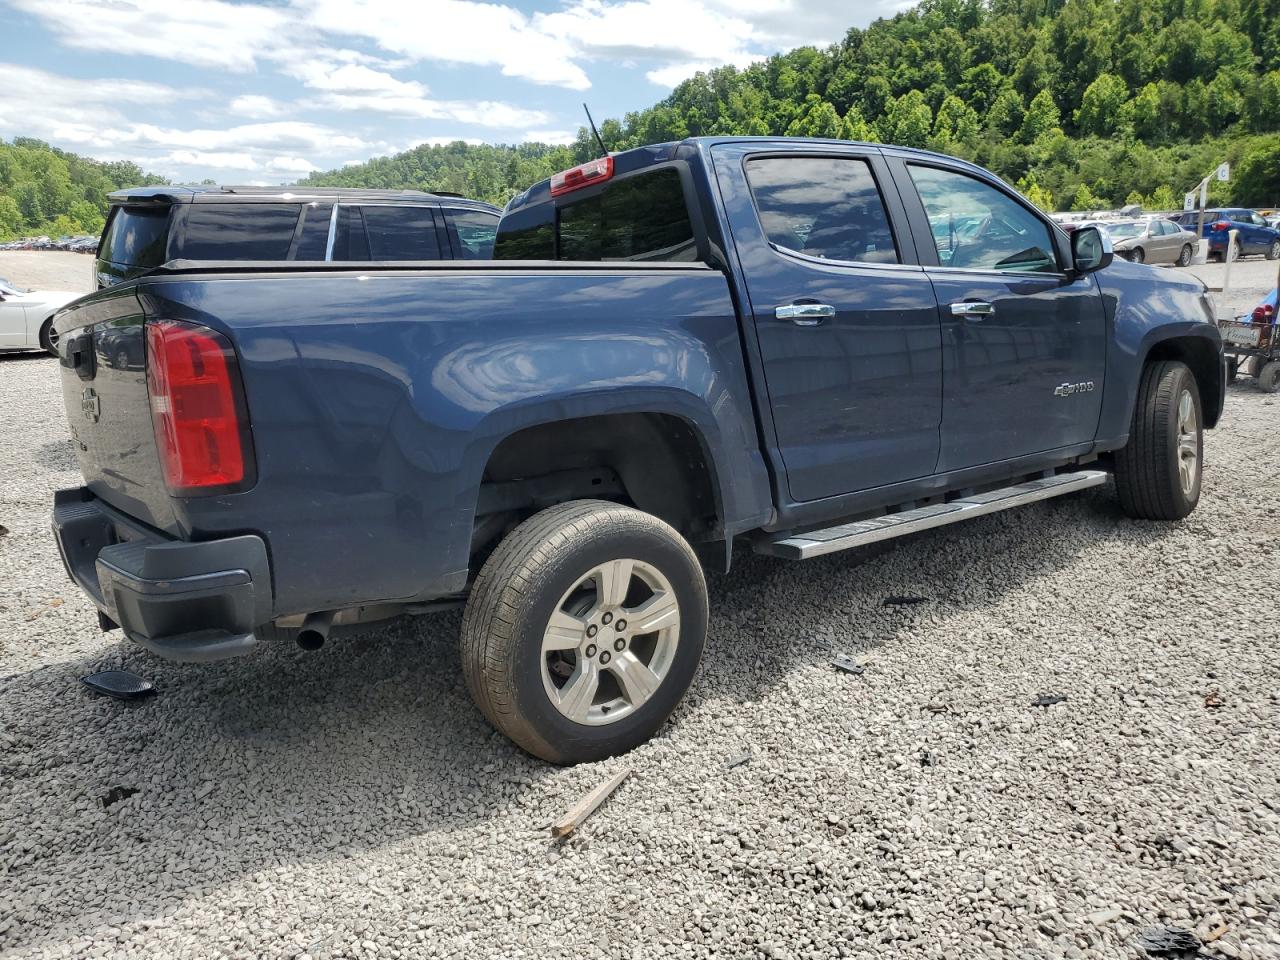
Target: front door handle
(973, 309)
(805, 314)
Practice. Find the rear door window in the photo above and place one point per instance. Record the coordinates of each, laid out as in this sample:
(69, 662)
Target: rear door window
(239, 231)
(136, 236)
(401, 233)
(473, 232)
(824, 207)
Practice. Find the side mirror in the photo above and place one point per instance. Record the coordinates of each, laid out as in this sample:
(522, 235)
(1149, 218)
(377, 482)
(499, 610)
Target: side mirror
(1091, 250)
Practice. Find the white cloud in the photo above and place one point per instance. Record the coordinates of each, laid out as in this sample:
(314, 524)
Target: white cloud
(454, 31)
(209, 33)
(291, 165)
(550, 136)
(218, 159)
(256, 107)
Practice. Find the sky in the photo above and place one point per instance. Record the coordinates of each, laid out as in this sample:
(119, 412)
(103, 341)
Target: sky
(266, 92)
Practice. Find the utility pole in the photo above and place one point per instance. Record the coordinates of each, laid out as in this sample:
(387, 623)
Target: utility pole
(1223, 172)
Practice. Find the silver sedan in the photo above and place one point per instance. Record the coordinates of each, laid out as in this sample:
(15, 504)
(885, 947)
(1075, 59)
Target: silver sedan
(1153, 241)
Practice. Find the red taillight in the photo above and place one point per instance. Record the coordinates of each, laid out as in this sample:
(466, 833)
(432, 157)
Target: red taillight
(1222, 225)
(197, 408)
(1266, 313)
(594, 171)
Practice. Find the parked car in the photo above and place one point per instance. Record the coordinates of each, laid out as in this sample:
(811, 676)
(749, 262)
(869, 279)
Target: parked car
(1254, 235)
(1153, 241)
(720, 339)
(147, 226)
(26, 316)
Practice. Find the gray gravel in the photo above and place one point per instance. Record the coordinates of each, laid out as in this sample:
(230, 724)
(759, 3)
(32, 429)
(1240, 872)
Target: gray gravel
(352, 803)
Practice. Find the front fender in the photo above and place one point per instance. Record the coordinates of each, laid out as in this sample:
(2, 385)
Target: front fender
(1146, 309)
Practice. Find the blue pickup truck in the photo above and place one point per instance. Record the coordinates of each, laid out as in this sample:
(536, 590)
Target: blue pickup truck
(802, 346)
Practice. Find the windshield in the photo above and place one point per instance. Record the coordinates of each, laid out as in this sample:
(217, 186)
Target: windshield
(1123, 231)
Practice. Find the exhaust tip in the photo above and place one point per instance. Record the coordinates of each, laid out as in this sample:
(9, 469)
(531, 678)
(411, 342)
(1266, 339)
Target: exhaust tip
(315, 630)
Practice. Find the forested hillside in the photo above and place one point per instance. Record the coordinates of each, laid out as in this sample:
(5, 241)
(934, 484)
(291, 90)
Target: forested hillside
(44, 190)
(1081, 102)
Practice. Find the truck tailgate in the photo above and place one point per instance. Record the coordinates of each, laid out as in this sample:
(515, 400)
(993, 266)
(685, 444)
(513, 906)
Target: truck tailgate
(102, 356)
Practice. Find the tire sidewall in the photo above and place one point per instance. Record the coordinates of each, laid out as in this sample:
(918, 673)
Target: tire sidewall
(572, 742)
(1185, 380)
(1273, 252)
(1269, 377)
(1184, 258)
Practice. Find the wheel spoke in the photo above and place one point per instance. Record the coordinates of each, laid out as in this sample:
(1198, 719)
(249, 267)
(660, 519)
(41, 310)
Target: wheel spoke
(579, 691)
(659, 611)
(1184, 410)
(613, 580)
(1187, 445)
(564, 632)
(638, 682)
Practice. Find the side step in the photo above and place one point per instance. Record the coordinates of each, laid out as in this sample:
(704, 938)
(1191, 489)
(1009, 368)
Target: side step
(815, 543)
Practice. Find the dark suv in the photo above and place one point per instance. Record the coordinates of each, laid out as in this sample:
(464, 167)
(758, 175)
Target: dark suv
(147, 226)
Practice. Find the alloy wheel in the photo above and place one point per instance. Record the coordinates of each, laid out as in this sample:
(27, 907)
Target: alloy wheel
(1188, 443)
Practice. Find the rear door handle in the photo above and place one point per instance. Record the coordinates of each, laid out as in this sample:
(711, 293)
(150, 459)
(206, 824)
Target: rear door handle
(805, 314)
(973, 309)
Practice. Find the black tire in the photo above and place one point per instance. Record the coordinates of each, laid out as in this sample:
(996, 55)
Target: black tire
(1273, 251)
(1215, 257)
(1148, 478)
(524, 582)
(1238, 247)
(1269, 377)
(46, 338)
(1138, 255)
(1184, 258)
(1233, 369)
(1255, 365)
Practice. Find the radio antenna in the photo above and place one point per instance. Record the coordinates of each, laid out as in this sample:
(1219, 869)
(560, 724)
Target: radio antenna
(604, 151)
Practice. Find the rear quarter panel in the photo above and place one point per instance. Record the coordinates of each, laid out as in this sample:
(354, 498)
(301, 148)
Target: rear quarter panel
(376, 400)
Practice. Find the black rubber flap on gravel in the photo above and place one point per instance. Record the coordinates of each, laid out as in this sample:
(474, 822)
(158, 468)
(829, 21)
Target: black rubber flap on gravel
(1168, 942)
(120, 684)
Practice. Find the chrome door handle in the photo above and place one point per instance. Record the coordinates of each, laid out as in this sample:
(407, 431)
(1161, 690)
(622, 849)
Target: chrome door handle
(972, 308)
(805, 314)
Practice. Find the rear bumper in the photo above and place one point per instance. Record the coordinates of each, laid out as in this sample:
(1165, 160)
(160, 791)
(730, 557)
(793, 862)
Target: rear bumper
(185, 601)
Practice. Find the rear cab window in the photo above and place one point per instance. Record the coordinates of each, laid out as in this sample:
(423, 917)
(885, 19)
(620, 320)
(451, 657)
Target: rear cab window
(385, 232)
(641, 217)
(136, 236)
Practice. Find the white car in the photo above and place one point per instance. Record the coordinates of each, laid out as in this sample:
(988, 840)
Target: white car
(25, 316)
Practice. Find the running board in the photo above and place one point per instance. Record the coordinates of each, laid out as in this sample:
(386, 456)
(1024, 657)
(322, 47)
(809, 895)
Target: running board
(815, 543)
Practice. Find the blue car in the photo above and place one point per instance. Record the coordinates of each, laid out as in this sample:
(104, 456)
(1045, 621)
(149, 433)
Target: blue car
(1254, 235)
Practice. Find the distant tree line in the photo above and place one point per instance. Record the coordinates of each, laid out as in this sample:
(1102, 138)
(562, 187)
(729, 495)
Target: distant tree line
(44, 190)
(1082, 103)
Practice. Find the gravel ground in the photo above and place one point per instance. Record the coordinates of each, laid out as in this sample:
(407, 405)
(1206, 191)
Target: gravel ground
(352, 803)
(47, 269)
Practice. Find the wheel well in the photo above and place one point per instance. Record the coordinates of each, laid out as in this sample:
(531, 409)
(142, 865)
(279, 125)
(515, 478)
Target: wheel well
(1198, 354)
(654, 462)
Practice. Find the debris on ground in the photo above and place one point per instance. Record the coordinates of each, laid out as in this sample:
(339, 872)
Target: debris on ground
(847, 664)
(1216, 933)
(1167, 941)
(115, 795)
(3, 530)
(737, 760)
(1213, 700)
(1048, 699)
(587, 805)
(928, 758)
(120, 684)
(903, 601)
(937, 706)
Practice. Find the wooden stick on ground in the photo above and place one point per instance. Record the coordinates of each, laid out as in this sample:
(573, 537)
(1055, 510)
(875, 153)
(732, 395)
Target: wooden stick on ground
(587, 805)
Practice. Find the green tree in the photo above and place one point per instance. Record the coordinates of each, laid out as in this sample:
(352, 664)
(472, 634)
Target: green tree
(1042, 118)
(1085, 200)
(855, 127)
(907, 121)
(1257, 177)
(819, 120)
(1100, 108)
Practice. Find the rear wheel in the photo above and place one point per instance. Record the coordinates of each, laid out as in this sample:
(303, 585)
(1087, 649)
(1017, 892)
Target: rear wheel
(1237, 249)
(1273, 251)
(584, 630)
(1158, 471)
(1184, 258)
(1269, 377)
(1255, 365)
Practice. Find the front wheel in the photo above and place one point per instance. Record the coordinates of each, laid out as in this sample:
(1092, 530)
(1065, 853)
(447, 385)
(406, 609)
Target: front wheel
(1158, 471)
(584, 630)
(1138, 255)
(48, 339)
(1184, 258)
